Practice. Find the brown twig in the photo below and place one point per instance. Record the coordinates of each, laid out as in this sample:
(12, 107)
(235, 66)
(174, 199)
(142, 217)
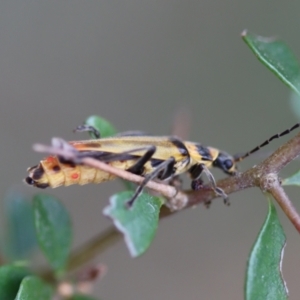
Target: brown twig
(264, 175)
(275, 189)
(179, 199)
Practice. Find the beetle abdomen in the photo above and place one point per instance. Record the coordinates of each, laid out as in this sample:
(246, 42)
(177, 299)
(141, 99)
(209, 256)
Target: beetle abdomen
(50, 172)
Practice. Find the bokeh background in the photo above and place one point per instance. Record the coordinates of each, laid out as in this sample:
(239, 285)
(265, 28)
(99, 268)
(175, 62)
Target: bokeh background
(136, 63)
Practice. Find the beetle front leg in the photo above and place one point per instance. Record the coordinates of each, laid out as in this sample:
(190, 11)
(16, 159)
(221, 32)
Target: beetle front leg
(196, 172)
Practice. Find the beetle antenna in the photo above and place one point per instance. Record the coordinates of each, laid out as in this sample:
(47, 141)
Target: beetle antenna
(240, 157)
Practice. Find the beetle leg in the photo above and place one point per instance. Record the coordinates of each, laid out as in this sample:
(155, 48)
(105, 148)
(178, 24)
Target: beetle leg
(197, 184)
(161, 171)
(176, 181)
(217, 190)
(138, 167)
(196, 172)
(88, 128)
(207, 203)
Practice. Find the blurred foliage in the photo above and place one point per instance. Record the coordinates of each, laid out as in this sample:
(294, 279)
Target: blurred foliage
(45, 222)
(264, 278)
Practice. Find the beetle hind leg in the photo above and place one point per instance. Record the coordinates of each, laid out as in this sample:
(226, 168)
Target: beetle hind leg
(89, 129)
(138, 167)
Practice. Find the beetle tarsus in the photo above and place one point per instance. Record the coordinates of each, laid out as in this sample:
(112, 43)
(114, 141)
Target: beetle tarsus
(89, 129)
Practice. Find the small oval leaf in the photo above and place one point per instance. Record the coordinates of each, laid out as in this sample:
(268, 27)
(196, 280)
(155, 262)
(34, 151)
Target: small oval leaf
(10, 280)
(292, 180)
(53, 227)
(105, 128)
(20, 233)
(138, 223)
(264, 277)
(33, 288)
(277, 57)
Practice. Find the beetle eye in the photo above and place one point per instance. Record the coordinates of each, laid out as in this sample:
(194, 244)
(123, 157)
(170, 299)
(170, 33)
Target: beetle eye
(29, 180)
(228, 164)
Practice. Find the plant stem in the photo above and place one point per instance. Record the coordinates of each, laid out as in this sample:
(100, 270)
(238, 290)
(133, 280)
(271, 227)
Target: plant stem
(264, 175)
(88, 251)
(285, 203)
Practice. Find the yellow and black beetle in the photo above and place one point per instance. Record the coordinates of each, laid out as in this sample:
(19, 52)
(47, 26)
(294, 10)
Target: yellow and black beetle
(153, 157)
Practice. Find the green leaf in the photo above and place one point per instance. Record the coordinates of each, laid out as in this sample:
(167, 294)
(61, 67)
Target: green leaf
(292, 180)
(10, 279)
(53, 227)
(20, 233)
(263, 277)
(105, 128)
(276, 56)
(33, 288)
(128, 185)
(138, 223)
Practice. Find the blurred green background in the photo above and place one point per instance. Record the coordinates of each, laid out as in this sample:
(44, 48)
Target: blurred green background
(136, 63)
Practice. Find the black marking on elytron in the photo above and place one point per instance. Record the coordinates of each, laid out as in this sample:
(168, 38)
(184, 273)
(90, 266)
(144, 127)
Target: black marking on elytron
(204, 152)
(38, 173)
(56, 168)
(138, 167)
(180, 146)
(156, 162)
(106, 156)
(109, 157)
(196, 171)
(29, 180)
